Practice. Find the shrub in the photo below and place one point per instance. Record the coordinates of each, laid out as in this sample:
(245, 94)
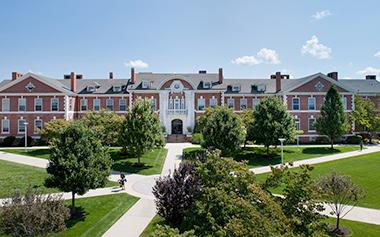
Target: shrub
(193, 153)
(20, 142)
(322, 140)
(8, 141)
(33, 214)
(197, 138)
(167, 231)
(353, 140)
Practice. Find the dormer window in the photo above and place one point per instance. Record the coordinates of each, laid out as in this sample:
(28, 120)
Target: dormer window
(91, 88)
(145, 84)
(206, 85)
(261, 88)
(236, 88)
(116, 88)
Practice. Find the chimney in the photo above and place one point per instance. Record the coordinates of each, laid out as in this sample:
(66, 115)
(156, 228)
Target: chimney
(370, 77)
(333, 75)
(133, 75)
(111, 75)
(73, 80)
(16, 75)
(278, 81)
(220, 74)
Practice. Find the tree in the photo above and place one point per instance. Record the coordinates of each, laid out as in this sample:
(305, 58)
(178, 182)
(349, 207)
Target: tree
(175, 193)
(106, 125)
(340, 193)
(272, 121)
(53, 129)
(222, 129)
(247, 119)
(332, 121)
(366, 116)
(78, 162)
(141, 130)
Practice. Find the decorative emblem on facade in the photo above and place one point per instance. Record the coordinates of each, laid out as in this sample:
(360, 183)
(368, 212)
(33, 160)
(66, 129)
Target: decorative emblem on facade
(176, 86)
(30, 87)
(319, 86)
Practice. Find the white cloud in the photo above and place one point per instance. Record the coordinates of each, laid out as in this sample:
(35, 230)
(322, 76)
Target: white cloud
(377, 55)
(136, 63)
(264, 56)
(316, 49)
(321, 14)
(369, 70)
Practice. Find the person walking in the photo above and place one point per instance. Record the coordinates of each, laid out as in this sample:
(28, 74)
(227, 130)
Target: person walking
(122, 181)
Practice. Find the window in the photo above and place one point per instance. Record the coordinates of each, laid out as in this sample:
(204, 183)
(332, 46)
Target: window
(145, 84)
(243, 104)
(21, 126)
(109, 104)
(21, 104)
(96, 104)
(213, 102)
(122, 104)
(5, 104)
(311, 124)
(255, 102)
(206, 85)
(83, 104)
(5, 125)
(38, 104)
(71, 102)
(37, 125)
(311, 103)
(296, 103)
(236, 88)
(344, 101)
(201, 103)
(230, 103)
(177, 103)
(297, 123)
(91, 89)
(116, 88)
(54, 104)
(153, 104)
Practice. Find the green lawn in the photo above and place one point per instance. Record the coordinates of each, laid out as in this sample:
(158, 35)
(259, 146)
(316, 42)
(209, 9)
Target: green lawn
(256, 156)
(18, 176)
(157, 220)
(153, 162)
(364, 171)
(40, 153)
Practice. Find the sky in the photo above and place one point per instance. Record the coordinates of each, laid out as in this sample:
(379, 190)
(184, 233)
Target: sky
(247, 38)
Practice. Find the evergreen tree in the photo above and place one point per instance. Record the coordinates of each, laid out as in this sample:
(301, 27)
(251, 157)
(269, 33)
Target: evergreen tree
(78, 162)
(332, 121)
(141, 130)
(272, 121)
(222, 129)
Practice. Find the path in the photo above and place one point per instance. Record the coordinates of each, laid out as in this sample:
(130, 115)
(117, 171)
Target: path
(26, 160)
(317, 160)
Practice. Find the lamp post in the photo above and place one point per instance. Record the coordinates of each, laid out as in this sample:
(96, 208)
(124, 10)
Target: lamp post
(282, 149)
(26, 134)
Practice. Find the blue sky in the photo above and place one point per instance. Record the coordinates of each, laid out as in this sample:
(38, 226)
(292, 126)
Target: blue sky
(249, 39)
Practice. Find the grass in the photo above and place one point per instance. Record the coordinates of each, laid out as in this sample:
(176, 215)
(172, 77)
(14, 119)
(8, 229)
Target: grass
(256, 156)
(40, 153)
(17, 176)
(363, 169)
(148, 231)
(153, 162)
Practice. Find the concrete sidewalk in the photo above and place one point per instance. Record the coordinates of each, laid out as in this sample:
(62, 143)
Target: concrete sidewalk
(322, 159)
(26, 160)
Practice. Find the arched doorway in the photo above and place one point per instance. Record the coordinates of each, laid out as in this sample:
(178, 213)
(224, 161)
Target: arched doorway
(177, 126)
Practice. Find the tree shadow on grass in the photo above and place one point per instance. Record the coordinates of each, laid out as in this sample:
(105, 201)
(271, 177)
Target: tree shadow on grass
(320, 150)
(79, 216)
(256, 156)
(125, 162)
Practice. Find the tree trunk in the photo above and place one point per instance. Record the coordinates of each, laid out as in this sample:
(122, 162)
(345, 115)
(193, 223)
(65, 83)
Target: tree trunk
(72, 203)
(138, 160)
(332, 143)
(267, 150)
(337, 222)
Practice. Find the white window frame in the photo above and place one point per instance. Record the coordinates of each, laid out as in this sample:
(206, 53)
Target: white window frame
(344, 102)
(5, 104)
(96, 104)
(229, 104)
(116, 88)
(35, 125)
(123, 104)
(245, 102)
(236, 88)
(36, 100)
(83, 103)
(308, 124)
(299, 103)
(297, 122)
(201, 103)
(206, 85)
(145, 84)
(18, 126)
(213, 102)
(177, 103)
(52, 102)
(19, 104)
(91, 88)
(255, 102)
(108, 105)
(2, 125)
(314, 103)
(153, 104)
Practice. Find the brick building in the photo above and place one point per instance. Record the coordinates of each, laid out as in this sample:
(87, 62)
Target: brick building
(178, 99)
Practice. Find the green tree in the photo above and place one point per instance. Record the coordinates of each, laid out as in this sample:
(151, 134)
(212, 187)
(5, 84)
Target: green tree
(332, 121)
(366, 116)
(222, 129)
(272, 121)
(53, 129)
(141, 130)
(247, 119)
(106, 125)
(78, 162)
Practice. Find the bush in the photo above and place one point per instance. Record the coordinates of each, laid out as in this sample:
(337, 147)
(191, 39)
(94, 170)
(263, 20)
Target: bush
(197, 138)
(20, 142)
(33, 214)
(167, 231)
(193, 153)
(322, 140)
(353, 140)
(8, 141)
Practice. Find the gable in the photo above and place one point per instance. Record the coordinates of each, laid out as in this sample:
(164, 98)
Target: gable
(185, 84)
(318, 84)
(30, 85)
